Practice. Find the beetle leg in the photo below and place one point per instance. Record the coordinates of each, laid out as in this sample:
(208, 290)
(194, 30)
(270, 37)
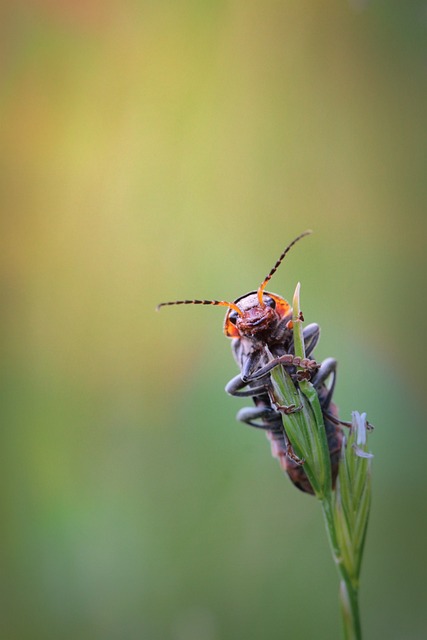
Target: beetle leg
(250, 366)
(311, 335)
(235, 385)
(291, 453)
(282, 449)
(327, 368)
(287, 409)
(267, 419)
(287, 360)
(344, 423)
(283, 408)
(252, 416)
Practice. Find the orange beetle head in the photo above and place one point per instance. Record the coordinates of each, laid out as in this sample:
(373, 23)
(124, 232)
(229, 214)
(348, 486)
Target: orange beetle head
(255, 319)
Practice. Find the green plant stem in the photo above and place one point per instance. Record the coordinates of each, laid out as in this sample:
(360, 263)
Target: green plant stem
(348, 590)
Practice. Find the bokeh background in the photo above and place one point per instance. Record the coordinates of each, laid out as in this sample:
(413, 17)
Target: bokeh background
(152, 151)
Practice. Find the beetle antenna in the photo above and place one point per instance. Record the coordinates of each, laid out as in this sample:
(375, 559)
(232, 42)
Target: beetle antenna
(220, 303)
(274, 269)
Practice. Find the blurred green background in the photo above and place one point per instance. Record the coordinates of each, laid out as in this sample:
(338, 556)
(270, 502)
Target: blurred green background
(152, 151)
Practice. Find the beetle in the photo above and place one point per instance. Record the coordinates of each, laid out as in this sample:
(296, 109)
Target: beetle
(259, 323)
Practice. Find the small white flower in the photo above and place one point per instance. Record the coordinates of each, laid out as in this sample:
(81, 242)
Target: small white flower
(359, 429)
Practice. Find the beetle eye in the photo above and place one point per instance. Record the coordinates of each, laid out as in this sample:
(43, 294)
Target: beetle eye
(270, 302)
(233, 317)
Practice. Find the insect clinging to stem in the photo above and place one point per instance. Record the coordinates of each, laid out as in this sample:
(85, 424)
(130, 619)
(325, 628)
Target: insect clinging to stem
(259, 324)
